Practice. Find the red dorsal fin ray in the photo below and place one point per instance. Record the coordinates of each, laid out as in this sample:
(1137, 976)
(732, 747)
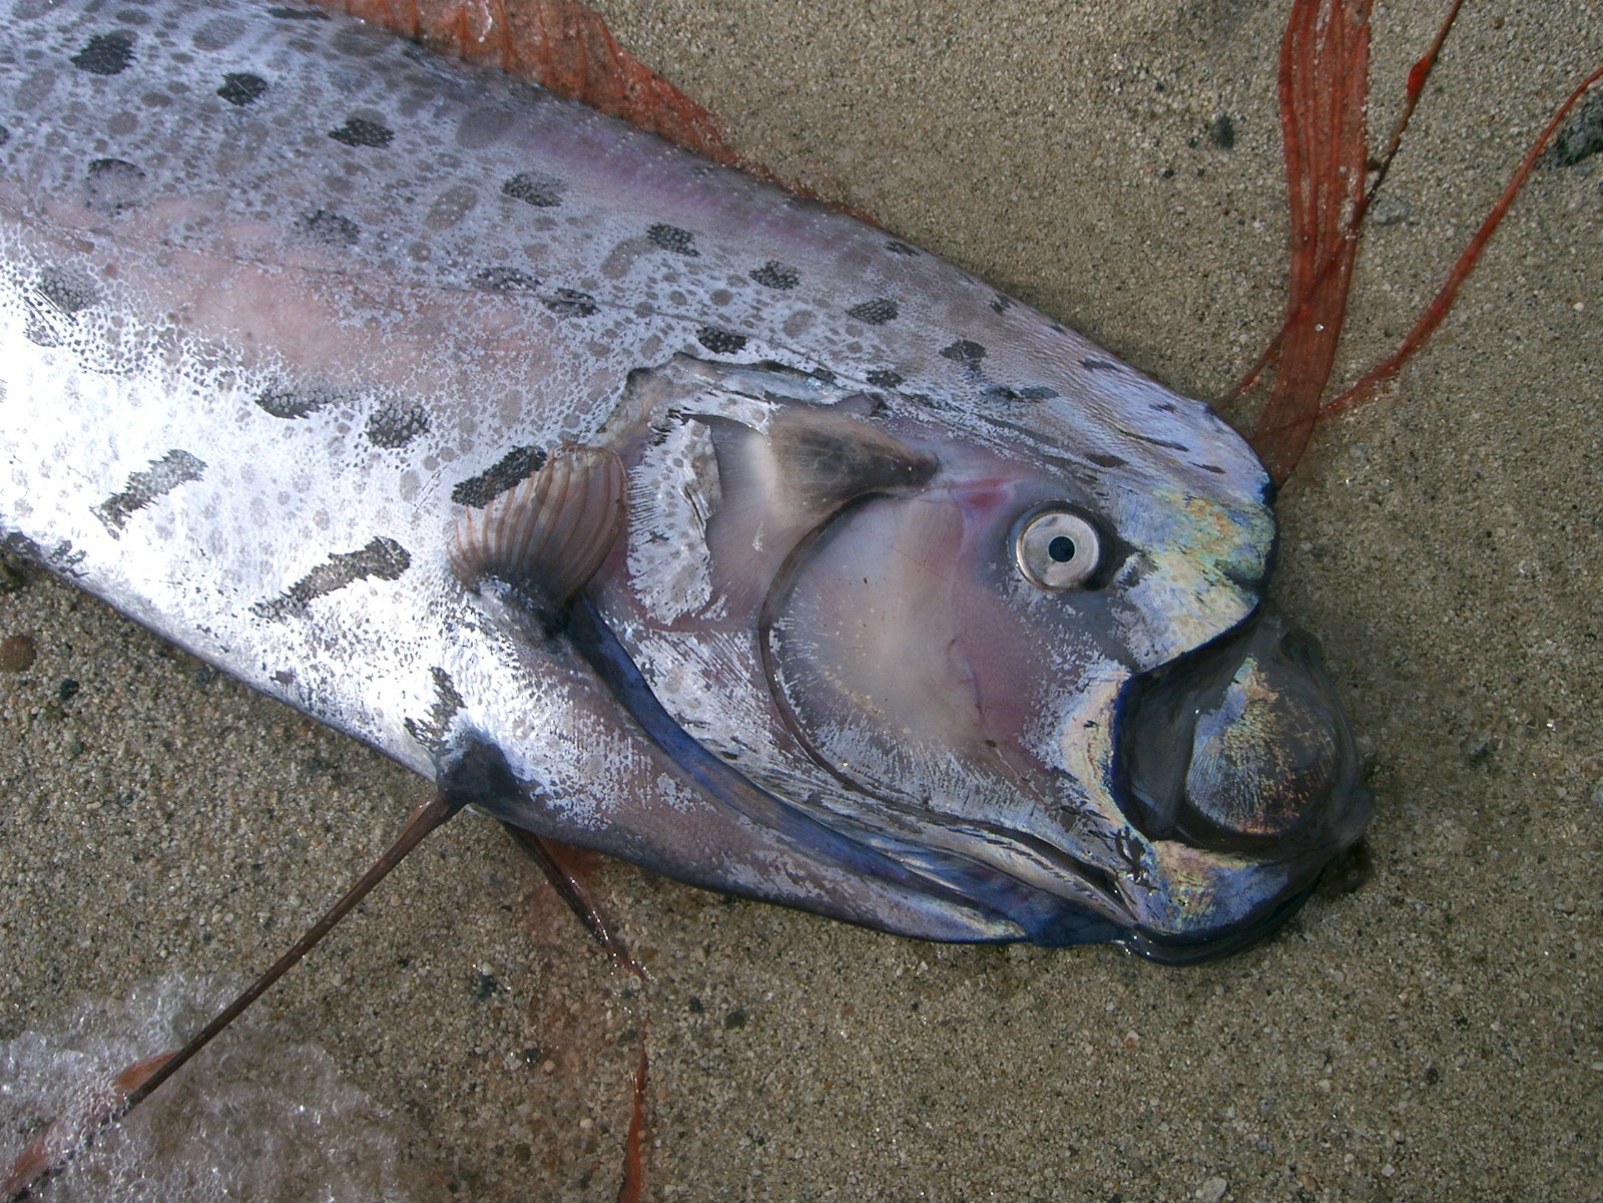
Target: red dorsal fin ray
(561, 45)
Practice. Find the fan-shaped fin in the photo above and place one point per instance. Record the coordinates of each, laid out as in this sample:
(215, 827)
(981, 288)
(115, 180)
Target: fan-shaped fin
(547, 536)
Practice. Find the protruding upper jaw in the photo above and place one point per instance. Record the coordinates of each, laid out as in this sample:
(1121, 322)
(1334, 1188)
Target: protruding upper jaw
(1238, 768)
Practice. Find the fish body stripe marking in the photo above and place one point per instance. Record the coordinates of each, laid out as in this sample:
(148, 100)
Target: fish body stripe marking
(105, 54)
(776, 275)
(720, 342)
(966, 352)
(571, 302)
(396, 425)
(383, 558)
(359, 131)
(876, 312)
(68, 292)
(535, 188)
(430, 731)
(161, 477)
(511, 470)
(324, 227)
(242, 88)
(289, 402)
(673, 238)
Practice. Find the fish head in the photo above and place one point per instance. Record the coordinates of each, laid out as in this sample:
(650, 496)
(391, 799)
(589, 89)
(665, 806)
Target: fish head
(1041, 672)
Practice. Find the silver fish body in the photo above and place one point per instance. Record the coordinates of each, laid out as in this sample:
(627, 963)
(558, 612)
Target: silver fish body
(761, 547)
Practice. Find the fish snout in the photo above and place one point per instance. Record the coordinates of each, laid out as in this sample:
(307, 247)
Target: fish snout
(1242, 748)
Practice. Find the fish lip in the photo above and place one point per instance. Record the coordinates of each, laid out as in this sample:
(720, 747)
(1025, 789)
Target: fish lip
(1236, 767)
(1178, 951)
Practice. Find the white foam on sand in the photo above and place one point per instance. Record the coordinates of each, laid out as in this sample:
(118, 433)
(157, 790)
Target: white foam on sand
(253, 1117)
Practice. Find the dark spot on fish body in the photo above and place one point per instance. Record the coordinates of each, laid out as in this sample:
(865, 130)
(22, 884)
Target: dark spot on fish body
(511, 470)
(966, 352)
(1098, 365)
(161, 477)
(876, 312)
(286, 13)
(290, 403)
(1001, 304)
(382, 557)
(884, 378)
(395, 425)
(897, 247)
(5, 135)
(720, 342)
(506, 279)
(66, 290)
(430, 731)
(106, 54)
(535, 188)
(1166, 444)
(112, 186)
(672, 238)
(327, 228)
(241, 88)
(1103, 459)
(774, 274)
(570, 302)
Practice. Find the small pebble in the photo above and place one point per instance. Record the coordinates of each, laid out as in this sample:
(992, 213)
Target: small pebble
(17, 654)
(1213, 1190)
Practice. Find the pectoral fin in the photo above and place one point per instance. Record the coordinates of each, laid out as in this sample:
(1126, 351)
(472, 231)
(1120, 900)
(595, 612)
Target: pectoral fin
(548, 536)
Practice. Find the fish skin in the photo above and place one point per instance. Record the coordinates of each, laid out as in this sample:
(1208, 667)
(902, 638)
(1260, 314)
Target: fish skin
(398, 372)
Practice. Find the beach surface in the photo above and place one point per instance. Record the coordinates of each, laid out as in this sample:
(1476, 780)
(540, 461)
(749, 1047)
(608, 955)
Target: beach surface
(1428, 1028)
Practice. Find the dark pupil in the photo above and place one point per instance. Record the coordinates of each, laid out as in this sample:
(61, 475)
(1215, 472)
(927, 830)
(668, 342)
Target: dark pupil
(1061, 549)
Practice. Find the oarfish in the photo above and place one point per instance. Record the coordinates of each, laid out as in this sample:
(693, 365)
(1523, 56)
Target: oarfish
(737, 537)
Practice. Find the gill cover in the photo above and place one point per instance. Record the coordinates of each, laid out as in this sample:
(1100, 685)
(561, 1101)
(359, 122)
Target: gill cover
(910, 653)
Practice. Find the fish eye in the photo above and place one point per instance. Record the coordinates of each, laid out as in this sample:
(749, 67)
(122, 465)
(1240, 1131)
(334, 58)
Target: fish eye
(1056, 548)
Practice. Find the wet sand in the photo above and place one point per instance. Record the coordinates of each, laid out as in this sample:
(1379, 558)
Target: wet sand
(1431, 1034)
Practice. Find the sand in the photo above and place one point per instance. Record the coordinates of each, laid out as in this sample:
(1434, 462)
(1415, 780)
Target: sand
(1431, 1034)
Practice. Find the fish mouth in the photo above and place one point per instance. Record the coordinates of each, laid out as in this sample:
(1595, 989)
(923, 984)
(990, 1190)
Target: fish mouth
(1238, 760)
